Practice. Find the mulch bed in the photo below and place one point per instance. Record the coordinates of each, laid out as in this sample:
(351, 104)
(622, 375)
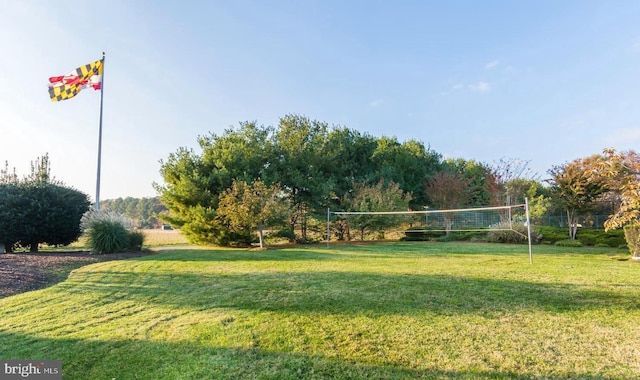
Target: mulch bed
(24, 271)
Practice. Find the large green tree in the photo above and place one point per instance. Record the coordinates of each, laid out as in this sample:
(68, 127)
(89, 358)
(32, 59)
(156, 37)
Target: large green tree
(315, 165)
(301, 167)
(193, 182)
(409, 164)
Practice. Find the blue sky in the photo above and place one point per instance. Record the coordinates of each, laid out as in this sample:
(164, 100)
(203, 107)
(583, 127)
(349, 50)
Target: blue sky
(542, 81)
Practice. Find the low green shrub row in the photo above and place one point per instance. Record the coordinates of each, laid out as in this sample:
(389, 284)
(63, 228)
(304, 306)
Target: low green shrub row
(422, 234)
(539, 234)
(568, 243)
(586, 236)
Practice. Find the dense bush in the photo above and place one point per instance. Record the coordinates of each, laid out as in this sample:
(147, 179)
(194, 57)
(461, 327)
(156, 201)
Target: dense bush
(136, 238)
(514, 233)
(109, 232)
(587, 236)
(593, 237)
(32, 213)
(421, 234)
(550, 235)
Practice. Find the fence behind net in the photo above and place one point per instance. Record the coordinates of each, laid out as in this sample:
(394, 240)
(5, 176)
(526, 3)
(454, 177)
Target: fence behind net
(449, 220)
(469, 219)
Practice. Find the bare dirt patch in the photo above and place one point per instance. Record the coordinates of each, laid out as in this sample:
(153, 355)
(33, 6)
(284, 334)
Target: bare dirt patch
(23, 272)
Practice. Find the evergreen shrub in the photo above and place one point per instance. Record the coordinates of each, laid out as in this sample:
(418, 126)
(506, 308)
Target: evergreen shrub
(136, 238)
(587, 236)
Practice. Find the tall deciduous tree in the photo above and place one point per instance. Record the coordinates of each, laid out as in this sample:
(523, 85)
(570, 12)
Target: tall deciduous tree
(379, 197)
(448, 190)
(512, 179)
(246, 207)
(481, 183)
(622, 170)
(576, 187)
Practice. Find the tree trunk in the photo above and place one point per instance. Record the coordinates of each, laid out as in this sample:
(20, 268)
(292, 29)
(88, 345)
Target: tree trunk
(632, 236)
(261, 234)
(448, 223)
(33, 247)
(573, 224)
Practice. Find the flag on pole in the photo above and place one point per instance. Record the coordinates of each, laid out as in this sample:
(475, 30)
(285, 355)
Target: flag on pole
(67, 86)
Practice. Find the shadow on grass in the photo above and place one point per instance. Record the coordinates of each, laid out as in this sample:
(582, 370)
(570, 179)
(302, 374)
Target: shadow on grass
(243, 254)
(136, 359)
(345, 293)
(357, 250)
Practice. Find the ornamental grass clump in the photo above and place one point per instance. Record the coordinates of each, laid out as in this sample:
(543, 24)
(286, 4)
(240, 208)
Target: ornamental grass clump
(110, 232)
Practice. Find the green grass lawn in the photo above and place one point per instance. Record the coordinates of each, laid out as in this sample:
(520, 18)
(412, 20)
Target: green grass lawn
(388, 310)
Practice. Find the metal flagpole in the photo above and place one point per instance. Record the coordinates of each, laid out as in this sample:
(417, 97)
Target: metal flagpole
(526, 207)
(100, 138)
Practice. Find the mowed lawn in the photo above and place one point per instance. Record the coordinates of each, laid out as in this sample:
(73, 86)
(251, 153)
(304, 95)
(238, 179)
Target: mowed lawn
(374, 311)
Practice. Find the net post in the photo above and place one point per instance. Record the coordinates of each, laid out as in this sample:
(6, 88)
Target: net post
(526, 208)
(328, 225)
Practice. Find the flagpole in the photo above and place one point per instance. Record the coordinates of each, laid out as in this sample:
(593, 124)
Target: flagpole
(97, 206)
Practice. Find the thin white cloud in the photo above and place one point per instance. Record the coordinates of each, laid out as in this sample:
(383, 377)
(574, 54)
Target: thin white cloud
(376, 103)
(635, 47)
(623, 136)
(491, 64)
(480, 87)
(458, 86)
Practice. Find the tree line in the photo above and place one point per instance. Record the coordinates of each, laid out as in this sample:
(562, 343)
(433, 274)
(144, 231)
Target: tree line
(254, 179)
(309, 167)
(305, 166)
(143, 212)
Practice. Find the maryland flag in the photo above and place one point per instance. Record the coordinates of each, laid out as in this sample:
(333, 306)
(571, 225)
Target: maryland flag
(67, 86)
